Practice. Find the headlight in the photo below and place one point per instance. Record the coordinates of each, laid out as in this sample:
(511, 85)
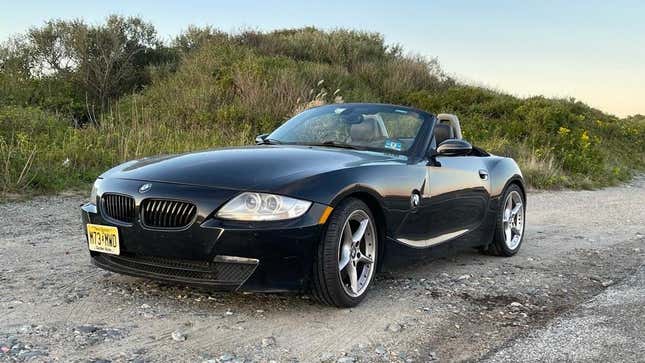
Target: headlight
(94, 192)
(262, 207)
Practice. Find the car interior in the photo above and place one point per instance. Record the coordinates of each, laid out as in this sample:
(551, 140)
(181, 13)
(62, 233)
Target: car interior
(371, 131)
(443, 132)
(448, 127)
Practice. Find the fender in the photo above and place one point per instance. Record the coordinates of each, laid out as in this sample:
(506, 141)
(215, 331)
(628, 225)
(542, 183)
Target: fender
(503, 171)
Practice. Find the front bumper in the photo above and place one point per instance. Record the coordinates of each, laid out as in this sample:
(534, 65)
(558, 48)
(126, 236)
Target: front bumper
(224, 273)
(223, 255)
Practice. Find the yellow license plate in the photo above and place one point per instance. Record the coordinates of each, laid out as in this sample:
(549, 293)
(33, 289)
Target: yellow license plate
(103, 239)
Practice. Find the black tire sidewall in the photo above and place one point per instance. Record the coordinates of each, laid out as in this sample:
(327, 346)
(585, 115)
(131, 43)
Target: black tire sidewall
(500, 241)
(330, 246)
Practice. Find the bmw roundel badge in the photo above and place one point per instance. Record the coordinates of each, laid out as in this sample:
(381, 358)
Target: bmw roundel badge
(144, 188)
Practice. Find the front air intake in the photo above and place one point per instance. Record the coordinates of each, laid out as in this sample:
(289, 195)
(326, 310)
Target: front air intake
(163, 213)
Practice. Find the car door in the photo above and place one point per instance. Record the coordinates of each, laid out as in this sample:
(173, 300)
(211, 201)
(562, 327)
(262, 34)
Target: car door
(456, 196)
(454, 200)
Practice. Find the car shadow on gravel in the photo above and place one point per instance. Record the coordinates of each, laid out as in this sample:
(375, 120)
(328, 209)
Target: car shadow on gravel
(401, 262)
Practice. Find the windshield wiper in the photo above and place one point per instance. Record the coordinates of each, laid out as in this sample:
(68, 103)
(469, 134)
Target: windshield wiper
(335, 144)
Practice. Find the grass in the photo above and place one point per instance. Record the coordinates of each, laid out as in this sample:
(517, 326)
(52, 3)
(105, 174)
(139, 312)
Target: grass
(227, 89)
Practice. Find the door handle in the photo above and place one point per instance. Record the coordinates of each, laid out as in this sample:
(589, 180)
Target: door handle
(483, 174)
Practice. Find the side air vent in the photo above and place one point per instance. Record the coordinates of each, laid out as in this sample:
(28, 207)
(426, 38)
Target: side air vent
(162, 213)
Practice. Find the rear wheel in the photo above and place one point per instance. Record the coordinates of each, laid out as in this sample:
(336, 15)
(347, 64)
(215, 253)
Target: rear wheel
(346, 259)
(509, 231)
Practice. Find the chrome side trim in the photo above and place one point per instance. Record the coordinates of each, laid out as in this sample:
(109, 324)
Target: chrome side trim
(235, 259)
(433, 241)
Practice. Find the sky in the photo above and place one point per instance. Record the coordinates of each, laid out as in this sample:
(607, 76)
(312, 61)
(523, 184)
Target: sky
(593, 51)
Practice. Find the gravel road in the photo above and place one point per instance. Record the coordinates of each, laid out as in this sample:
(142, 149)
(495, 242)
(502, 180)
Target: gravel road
(574, 292)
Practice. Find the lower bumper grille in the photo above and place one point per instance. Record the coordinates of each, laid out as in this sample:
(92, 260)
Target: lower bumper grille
(224, 274)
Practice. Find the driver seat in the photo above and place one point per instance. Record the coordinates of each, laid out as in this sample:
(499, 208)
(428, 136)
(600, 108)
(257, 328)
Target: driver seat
(367, 130)
(443, 132)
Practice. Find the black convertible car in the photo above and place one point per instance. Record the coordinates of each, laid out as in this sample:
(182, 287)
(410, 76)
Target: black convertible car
(313, 206)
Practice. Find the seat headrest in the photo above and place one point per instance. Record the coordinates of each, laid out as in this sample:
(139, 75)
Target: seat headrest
(365, 131)
(443, 132)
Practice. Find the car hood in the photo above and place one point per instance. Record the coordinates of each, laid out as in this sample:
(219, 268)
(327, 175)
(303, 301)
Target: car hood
(259, 168)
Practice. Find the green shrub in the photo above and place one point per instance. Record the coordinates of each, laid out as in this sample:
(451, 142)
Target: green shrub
(218, 89)
(557, 142)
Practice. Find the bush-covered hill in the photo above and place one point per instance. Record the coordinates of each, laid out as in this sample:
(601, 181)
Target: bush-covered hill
(76, 99)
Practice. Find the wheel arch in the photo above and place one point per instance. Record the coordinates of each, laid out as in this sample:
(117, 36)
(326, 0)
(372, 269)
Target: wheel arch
(517, 180)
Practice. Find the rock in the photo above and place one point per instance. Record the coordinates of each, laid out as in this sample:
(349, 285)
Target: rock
(268, 342)
(86, 329)
(516, 304)
(178, 336)
(380, 350)
(110, 333)
(394, 327)
(33, 354)
(226, 357)
(346, 360)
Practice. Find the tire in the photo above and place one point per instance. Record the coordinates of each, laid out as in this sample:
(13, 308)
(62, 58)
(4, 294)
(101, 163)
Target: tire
(502, 244)
(332, 283)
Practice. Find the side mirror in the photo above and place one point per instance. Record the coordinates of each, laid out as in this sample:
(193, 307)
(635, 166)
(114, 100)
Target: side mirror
(454, 147)
(260, 138)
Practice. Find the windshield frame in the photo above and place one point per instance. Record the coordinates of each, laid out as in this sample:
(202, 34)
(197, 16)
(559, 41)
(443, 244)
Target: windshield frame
(420, 140)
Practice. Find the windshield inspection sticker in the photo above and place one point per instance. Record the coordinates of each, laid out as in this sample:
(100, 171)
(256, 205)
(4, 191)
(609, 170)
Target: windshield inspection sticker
(394, 145)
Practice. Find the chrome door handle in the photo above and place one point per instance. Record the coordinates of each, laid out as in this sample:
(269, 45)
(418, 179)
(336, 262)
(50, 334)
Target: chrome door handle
(483, 174)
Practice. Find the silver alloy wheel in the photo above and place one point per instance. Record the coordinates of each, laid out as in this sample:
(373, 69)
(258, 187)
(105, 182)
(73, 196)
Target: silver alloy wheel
(357, 253)
(513, 220)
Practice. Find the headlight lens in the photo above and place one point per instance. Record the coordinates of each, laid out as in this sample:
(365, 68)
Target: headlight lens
(94, 192)
(263, 207)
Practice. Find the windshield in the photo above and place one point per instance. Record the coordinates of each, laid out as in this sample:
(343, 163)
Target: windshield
(377, 127)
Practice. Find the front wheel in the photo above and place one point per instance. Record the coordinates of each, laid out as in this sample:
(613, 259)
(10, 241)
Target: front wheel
(509, 230)
(346, 257)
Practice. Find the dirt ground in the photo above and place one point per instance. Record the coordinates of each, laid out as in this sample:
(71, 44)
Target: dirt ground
(574, 292)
